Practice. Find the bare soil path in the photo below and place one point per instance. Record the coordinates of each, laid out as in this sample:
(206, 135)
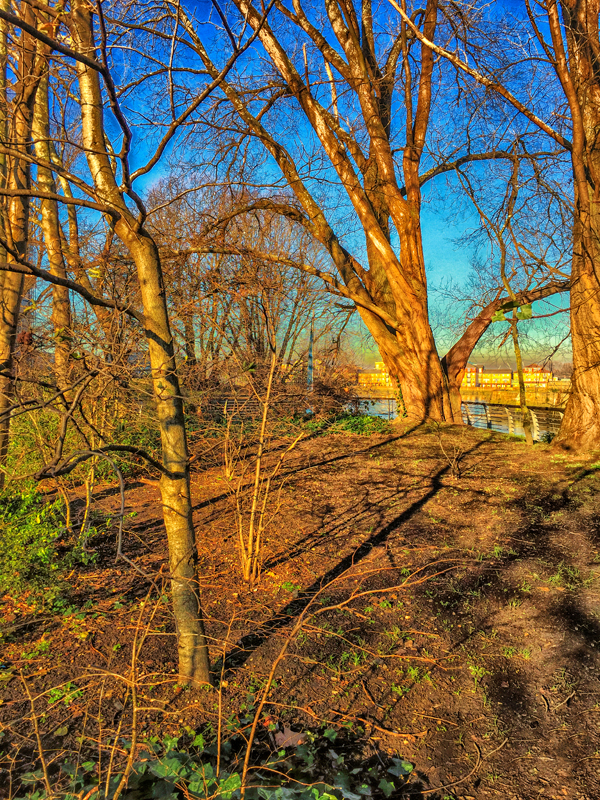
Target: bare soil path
(454, 620)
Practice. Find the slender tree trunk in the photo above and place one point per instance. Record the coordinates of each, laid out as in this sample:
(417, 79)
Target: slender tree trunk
(514, 332)
(175, 482)
(50, 224)
(190, 339)
(17, 222)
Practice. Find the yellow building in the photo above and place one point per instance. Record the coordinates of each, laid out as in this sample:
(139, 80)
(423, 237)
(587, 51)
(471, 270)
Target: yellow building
(495, 380)
(536, 376)
(374, 378)
(471, 376)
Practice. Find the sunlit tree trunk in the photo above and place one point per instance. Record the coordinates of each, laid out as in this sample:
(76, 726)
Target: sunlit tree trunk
(579, 72)
(50, 224)
(175, 480)
(526, 415)
(17, 179)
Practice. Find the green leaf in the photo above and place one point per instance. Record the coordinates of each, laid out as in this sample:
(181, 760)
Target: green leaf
(199, 741)
(342, 783)
(387, 787)
(201, 788)
(330, 734)
(401, 768)
(228, 787)
(62, 731)
(499, 316)
(524, 312)
(304, 752)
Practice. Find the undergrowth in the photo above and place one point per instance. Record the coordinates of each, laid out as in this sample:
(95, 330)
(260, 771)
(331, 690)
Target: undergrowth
(321, 765)
(36, 549)
(350, 422)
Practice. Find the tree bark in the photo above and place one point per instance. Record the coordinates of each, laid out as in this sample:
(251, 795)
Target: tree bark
(579, 72)
(175, 482)
(17, 220)
(514, 332)
(50, 224)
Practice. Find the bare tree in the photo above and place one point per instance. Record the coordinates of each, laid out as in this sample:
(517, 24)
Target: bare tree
(572, 51)
(338, 71)
(102, 182)
(16, 129)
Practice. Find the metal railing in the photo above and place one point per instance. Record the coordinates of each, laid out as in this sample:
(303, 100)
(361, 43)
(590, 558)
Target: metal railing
(509, 419)
(502, 418)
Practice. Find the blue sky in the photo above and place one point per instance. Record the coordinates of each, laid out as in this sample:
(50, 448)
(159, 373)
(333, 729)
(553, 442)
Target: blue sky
(444, 257)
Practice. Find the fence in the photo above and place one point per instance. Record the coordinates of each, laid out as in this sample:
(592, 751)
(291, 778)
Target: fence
(502, 418)
(284, 402)
(509, 419)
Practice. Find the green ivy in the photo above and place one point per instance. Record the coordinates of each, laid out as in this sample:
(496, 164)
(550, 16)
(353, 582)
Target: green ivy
(314, 770)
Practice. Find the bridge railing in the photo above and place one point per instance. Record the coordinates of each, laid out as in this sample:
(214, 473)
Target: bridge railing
(509, 419)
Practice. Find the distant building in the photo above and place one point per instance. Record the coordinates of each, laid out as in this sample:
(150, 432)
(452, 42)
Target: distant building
(374, 377)
(471, 376)
(495, 380)
(537, 375)
(534, 375)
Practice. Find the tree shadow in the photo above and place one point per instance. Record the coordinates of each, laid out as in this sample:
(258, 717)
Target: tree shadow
(238, 655)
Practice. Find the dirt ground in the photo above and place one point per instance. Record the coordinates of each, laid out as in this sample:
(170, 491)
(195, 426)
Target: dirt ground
(450, 619)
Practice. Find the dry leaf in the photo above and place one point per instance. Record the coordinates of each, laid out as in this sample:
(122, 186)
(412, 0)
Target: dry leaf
(289, 738)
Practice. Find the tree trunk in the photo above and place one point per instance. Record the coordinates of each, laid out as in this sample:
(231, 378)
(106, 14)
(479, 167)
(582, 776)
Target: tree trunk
(522, 393)
(577, 69)
(175, 481)
(17, 222)
(190, 339)
(61, 307)
(412, 362)
(580, 428)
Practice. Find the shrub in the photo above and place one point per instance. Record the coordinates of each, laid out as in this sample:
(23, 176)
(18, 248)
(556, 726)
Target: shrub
(30, 528)
(351, 422)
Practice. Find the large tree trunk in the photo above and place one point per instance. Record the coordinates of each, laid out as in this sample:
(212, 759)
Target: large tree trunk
(579, 72)
(175, 480)
(413, 363)
(580, 428)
